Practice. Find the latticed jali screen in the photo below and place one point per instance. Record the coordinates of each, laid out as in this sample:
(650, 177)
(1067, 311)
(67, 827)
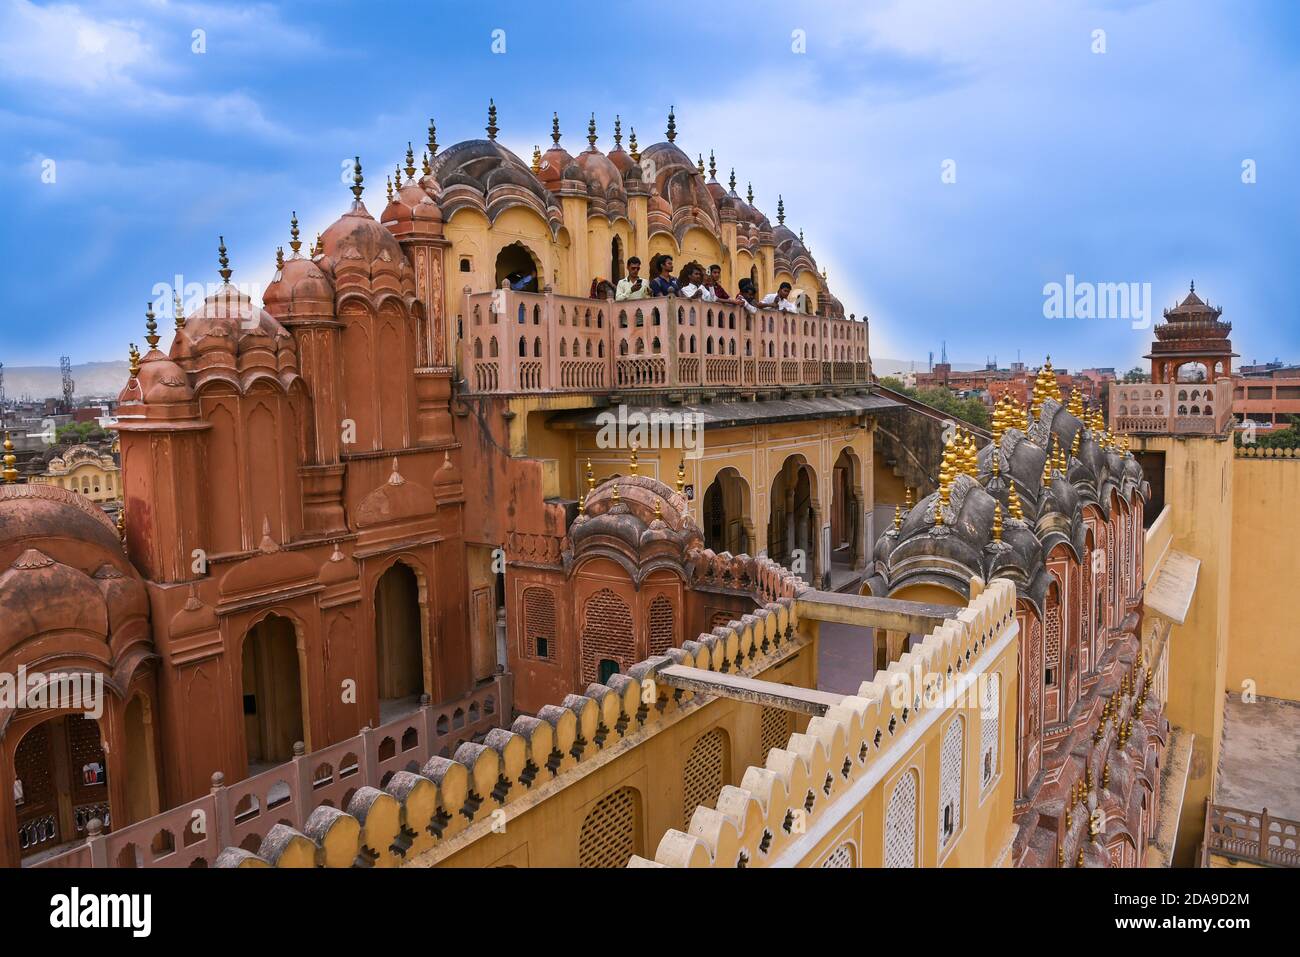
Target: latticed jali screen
(608, 837)
(704, 774)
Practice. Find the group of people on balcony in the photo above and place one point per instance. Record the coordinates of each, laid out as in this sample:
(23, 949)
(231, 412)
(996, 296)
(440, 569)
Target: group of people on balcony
(693, 283)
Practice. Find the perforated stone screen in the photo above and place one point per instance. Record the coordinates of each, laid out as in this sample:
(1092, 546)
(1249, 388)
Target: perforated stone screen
(608, 837)
(704, 774)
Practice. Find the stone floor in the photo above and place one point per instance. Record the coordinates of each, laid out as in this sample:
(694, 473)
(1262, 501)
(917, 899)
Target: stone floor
(844, 657)
(1260, 763)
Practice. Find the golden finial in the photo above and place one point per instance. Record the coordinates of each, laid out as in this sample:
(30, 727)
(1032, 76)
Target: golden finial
(1105, 775)
(492, 120)
(134, 353)
(555, 128)
(389, 180)
(618, 132)
(997, 521)
(1013, 502)
(319, 248)
(616, 498)
(1069, 819)
(907, 497)
(633, 151)
(681, 475)
(294, 242)
(10, 473)
(1074, 445)
(633, 464)
(432, 142)
(151, 327)
(713, 166)
(1048, 462)
(357, 179)
(749, 193)
(121, 524)
(898, 517)
(279, 258)
(582, 505)
(410, 161)
(537, 160)
(659, 512)
(428, 169)
(1060, 857)
(1078, 862)
(178, 311)
(222, 258)
(780, 209)
(995, 460)
(672, 125)
(699, 163)
(591, 477)
(591, 132)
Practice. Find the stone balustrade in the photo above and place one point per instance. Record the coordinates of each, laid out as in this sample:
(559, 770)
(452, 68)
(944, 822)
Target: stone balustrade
(248, 813)
(522, 342)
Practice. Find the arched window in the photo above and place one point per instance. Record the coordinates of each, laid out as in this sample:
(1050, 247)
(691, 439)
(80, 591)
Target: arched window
(990, 714)
(611, 831)
(704, 774)
(900, 823)
(950, 781)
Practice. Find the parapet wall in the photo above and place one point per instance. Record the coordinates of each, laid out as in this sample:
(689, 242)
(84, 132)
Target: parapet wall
(1262, 653)
(854, 746)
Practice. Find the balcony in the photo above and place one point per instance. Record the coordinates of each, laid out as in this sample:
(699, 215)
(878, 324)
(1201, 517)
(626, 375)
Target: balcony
(1177, 408)
(522, 342)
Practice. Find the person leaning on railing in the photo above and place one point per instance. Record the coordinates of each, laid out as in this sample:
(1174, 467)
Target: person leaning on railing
(662, 283)
(780, 299)
(632, 286)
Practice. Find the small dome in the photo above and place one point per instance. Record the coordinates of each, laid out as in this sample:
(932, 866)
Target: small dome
(162, 381)
(41, 513)
(228, 324)
(338, 568)
(300, 289)
(124, 595)
(39, 595)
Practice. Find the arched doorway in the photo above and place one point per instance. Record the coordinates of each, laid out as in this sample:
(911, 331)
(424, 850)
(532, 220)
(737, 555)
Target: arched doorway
(615, 259)
(727, 525)
(517, 264)
(848, 514)
(399, 641)
(793, 520)
(60, 784)
(272, 692)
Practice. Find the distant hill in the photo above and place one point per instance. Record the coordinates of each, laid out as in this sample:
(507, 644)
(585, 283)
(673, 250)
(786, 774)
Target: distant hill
(41, 382)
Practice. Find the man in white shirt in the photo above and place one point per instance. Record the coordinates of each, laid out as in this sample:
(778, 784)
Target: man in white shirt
(633, 286)
(780, 299)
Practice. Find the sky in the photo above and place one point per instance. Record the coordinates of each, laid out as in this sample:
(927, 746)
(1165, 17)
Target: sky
(947, 160)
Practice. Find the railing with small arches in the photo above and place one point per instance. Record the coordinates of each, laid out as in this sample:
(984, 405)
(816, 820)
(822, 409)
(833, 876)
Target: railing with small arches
(516, 342)
(242, 814)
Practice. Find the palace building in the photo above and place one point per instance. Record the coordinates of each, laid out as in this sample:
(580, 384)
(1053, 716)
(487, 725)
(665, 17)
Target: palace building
(441, 557)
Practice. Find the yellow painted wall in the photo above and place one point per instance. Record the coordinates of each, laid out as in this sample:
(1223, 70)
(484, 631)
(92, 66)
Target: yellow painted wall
(546, 834)
(1199, 490)
(1265, 533)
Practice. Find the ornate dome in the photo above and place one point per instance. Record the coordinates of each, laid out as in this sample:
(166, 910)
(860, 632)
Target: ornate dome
(39, 595)
(484, 175)
(636, 520)
(37, 514)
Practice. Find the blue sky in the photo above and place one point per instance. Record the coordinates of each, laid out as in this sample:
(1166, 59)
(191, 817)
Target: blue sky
(1122, 166)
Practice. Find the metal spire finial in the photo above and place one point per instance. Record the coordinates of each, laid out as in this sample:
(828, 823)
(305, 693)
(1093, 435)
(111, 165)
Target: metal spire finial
(555, 128)
(410, 161)
(294, 242)
(672, 125)
(357, 179)
(713, 166)
(618, 132)
(780, 210)
(591, 132)
(492, 120)
(222, 258)
(178, 311)
(151, 327)
(732, 182)
(433, 139)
